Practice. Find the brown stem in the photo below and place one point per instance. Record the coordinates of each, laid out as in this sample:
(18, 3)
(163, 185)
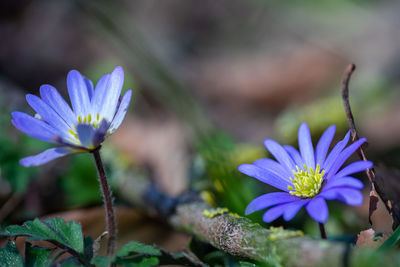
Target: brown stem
(322, 230)
(108, 203)
(370, 172)
(345, 96)
(9, 206)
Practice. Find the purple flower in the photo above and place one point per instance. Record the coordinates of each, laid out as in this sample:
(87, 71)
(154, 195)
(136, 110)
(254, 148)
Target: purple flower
(308, 177)
(96, 113)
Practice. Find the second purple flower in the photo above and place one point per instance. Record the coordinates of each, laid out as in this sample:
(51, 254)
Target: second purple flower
(307, 177)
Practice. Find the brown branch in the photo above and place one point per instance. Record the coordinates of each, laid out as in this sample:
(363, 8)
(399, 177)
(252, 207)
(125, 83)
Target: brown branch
(239, 236)
(10, 205)
(374, 191)
(236, 235)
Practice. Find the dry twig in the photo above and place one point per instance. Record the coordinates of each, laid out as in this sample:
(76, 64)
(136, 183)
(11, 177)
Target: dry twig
(375, 190)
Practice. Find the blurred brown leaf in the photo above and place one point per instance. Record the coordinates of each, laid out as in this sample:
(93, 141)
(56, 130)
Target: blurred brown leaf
(160, 144)
(367, 239)
(273, 81)
(388, 182)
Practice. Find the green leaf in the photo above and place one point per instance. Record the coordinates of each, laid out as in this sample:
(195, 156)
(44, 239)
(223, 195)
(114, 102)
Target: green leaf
(392, 241)
(247, 264)
(141, 262)
(71, 262)
(88, 243)
(55, 230)
(135, 247)
(37, 256)
(10, 256)
(101, 261)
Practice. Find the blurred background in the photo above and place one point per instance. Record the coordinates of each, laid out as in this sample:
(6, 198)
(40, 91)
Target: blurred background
(211, 81)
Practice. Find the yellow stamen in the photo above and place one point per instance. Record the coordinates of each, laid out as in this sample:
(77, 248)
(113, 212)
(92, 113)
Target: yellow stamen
(85, 120)
(73, 133)
(306, 183)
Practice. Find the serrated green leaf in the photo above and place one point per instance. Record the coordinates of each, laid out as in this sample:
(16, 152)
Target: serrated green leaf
(140, 262)
(37, 256)
(138, 248)
(10, 256)
(101, 261)
(54, 230)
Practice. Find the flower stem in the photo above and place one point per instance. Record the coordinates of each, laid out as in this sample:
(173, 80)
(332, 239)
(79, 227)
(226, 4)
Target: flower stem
(322, 230)
(108, 203)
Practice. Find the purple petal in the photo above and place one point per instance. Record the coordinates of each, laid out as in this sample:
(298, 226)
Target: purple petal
(50, 116)
(107, 100)
(34, 127)
(89, 87)
(335, 152)
(280, 154)
(100, 133)
(273, 213)
(305, 145)
(269, 200)
(343, 182)
(318, 209)
(273, 167)
(78, 93)
(264, 176)
(292, 209)
(86, 135)
(343, 156)
(295, 156)
(123, 108)
(347, 195)
(355, 167)
(323, 145)
(51, 96)
(328, 194)
(46, 156)
(98, 100)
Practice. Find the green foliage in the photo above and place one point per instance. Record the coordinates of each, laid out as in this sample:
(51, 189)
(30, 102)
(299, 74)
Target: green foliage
(138, 248)
(222, 156)
(54, 230)
(138, 254)
(65, 235)
(133, 253)
(214, 257)
(9, 255)
(37, 256)
(79, 182)
(392, 241)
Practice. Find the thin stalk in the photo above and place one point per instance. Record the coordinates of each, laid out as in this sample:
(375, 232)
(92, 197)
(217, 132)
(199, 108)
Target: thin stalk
(108, 204)
(322, 230)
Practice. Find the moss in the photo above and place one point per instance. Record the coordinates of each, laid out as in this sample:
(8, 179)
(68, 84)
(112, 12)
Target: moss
(214, 212)
(280, 233)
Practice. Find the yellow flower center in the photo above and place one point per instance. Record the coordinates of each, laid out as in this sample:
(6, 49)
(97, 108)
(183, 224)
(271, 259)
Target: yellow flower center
(307, 182)
(86, 120)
